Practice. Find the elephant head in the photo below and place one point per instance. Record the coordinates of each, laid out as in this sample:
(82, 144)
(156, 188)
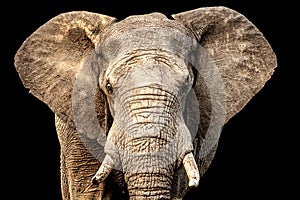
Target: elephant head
(140, 103)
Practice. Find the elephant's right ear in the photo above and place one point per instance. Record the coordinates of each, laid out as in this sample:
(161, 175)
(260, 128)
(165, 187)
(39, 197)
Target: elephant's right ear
(49, 60)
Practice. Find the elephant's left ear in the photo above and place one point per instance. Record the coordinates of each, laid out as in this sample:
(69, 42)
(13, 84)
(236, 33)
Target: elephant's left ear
(240, 52)
(49, 60)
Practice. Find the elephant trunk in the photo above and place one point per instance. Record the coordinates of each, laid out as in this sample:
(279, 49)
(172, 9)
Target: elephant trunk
(149, 147)
(149, 165)
(149, 185)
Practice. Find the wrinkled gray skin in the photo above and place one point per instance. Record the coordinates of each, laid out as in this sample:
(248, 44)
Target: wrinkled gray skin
(136, 76)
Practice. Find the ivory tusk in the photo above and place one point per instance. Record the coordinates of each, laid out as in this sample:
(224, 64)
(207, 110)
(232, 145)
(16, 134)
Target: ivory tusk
(191, 169)
(104, 170)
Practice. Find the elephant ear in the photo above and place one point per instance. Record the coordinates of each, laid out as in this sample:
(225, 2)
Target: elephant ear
(49, 61)
(235, 63)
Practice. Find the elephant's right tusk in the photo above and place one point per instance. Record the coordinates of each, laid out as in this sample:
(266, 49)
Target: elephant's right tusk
(103, 171)
(191, 169)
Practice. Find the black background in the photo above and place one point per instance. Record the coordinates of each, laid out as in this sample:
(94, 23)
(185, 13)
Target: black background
(257, 151)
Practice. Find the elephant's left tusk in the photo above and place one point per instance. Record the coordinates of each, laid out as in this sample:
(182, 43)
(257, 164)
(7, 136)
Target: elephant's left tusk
(191, 169)
(103, 171)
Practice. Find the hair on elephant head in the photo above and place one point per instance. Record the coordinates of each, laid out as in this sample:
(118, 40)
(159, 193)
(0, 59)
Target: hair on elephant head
(140, 103)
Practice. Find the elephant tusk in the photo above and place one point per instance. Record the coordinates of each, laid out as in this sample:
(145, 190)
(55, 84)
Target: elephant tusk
(103, 171)
(191, 169)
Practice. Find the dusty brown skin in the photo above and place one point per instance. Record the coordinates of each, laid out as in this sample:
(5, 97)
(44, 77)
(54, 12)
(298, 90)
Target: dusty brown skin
(140, 95)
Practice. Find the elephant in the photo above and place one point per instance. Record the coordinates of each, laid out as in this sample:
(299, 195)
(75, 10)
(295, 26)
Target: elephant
(140, 103)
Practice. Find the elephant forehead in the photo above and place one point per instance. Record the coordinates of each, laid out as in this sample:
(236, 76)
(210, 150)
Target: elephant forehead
(135, 47)
(144, 21)
(161, 38)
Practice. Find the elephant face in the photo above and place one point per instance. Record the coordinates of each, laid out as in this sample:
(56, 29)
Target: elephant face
(146, 87)
(140, 103)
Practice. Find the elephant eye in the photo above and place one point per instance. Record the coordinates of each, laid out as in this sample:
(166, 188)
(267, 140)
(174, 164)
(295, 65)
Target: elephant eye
(109, 88)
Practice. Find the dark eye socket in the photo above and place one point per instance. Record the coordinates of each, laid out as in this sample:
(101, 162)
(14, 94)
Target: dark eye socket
(109, 88)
